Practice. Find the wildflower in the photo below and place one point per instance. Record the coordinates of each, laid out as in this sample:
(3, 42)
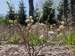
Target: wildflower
(30, 17)
(29, 31)
(61, 34)
(7, 2)
(51, 32)
(39, 11)
(8, 34)
(41, 36)
(57, 36)
(13, 10)
(62, 22)
(11, 24)
(29, 25)
(10, 21)
(32, 21)
(51, 27)
(27, 21)
(61, 27)
(27, 28)
(15, 21)
(53, 24)
(58, 30)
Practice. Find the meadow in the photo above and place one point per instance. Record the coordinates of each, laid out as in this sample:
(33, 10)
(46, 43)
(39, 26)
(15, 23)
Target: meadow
(41, 34)
(35, 37)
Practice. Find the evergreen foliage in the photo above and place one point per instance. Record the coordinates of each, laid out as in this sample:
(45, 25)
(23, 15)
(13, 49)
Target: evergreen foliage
(21, 13)
(35, 15)
(61, 8)
(48, 10)
(11, 14)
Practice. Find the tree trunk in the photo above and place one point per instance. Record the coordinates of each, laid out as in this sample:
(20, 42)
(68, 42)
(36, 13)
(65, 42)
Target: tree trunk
(73, 9)
(31, 7)
(65, 8)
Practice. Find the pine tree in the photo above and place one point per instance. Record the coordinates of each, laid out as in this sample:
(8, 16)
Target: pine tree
(35, 15)
(21, 13)
(61, 9)
(73, 9)
(48, 12)
(65, 8)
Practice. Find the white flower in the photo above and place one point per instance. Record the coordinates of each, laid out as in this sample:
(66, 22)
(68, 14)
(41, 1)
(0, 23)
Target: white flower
(29, 25)
(57, 36)
(29, 31)
(11, 24)
(41, 36)
(10, 21)
(51, 26)
(27, 21)
(61, 34)
(58, 30)
(15, 21)
(39, 11)
(61, 27)
(51, 32)
(54, 24)
(62, 22)
(13, 10)
(8, 34)
(32, 21)
(30, 17)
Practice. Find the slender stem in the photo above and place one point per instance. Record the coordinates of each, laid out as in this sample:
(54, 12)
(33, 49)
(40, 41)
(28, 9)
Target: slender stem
(49, 16)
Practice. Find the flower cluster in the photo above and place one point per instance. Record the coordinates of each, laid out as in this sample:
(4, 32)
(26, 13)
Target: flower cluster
(29, 21)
